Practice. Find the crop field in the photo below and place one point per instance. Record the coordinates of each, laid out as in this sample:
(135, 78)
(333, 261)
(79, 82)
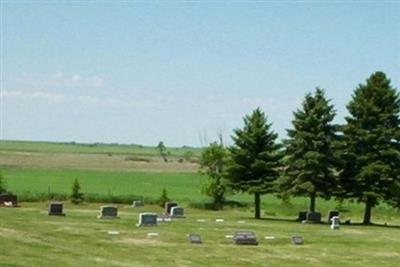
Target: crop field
(80, 239)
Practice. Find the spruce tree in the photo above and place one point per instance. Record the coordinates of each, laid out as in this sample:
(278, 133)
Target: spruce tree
(309, 156)
(77, 195)
(371, 151)
(255, 158)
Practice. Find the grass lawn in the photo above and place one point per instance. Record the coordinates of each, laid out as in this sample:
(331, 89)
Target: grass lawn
(28, 237)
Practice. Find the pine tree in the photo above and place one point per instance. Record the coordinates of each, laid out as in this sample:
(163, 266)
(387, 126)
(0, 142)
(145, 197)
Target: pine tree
(309, 156)
(255, 158)
(77, 195)
(371, 148)
(163, 198)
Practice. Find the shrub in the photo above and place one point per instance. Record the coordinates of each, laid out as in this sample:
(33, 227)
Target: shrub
(163, 198)
(77, 195)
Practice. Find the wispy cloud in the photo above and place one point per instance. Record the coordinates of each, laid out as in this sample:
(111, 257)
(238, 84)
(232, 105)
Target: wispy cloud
(60, 79)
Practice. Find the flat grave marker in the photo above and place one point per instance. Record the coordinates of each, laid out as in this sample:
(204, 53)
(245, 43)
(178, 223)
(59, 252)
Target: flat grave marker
(195, 239)
(297, 240)
(245, 238)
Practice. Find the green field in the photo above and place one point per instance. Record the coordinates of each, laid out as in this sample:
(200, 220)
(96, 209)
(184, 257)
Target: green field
(72, 147)
(31, 238)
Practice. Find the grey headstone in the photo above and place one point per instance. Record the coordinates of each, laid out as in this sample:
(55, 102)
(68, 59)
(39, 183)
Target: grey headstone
(177, 212)
(302, 216)
(108, 212)
(195, 239)
(147, 219)
(137, 204)
(168, 206)
(314, 217)
(297, 240)
(245, 238)
(56, 209)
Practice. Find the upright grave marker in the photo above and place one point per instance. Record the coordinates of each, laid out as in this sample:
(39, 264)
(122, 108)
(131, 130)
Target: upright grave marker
(335, 223)
(297, 240)
(195, 239)
(147, 219)
(8, 200)
(108, 212)
(177, 212)
(56, 209)
(137, 204)
(245, 238)
(169, 206)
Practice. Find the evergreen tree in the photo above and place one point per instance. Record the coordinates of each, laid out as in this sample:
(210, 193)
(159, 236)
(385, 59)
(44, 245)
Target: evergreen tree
(77, 195)
(212, 163)
(255, 158)
(163, 198)
(162, 150)
(371, 148)
(3, 187)
(309, 150)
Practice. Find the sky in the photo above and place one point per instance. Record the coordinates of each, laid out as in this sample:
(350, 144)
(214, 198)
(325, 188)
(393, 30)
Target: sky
(182, 72)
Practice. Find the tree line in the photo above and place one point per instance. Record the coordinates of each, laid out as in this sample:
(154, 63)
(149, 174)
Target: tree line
(358, 160)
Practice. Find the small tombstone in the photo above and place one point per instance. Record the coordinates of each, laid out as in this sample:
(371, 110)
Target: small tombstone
(168, 207)
(8, 200)
(297, 240)
(137, 204)
(245, 238)
(335, 223)
(147, 219)
(177, 212)
(314, 217)
(108, 212)
(56, 209)
(302, 216)
(219, 220)
(331, 214)
(195, 239)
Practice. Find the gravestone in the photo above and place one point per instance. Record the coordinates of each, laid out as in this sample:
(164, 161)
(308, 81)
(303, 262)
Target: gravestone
(169, 206)
(302, 216)
(335, 223)
(108, 212)
(56, 209)
(147, 219)
(313, 217)
(8, 200)
(245, 238)
(297, 240)
(195, 239)
(331, 214)
(177, 212)
(137, 204)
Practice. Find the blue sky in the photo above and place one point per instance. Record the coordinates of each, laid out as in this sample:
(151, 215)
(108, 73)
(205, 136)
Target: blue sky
(137, 72)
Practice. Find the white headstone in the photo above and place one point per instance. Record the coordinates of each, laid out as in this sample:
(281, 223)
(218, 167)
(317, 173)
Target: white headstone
(335, 223)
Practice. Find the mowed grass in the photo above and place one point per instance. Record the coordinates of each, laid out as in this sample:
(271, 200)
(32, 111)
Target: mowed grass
(29, 237)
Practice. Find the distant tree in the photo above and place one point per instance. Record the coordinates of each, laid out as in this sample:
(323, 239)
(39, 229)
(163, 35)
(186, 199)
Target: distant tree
(163, 198)
(212, 164)
(255, 158)
(162, 150)
(371, 145)
(3, 187)
(77, 195)
(310, 160)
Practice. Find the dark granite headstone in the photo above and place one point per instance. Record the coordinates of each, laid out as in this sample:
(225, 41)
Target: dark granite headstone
(297, 240)
(302, 216)
(168, 206)
(314, 217)
(195, 239)
(56, 209)
(177, 212)
(245, 238)
(108, 212)
(8, 200)
(332, 213)
(147, 219)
